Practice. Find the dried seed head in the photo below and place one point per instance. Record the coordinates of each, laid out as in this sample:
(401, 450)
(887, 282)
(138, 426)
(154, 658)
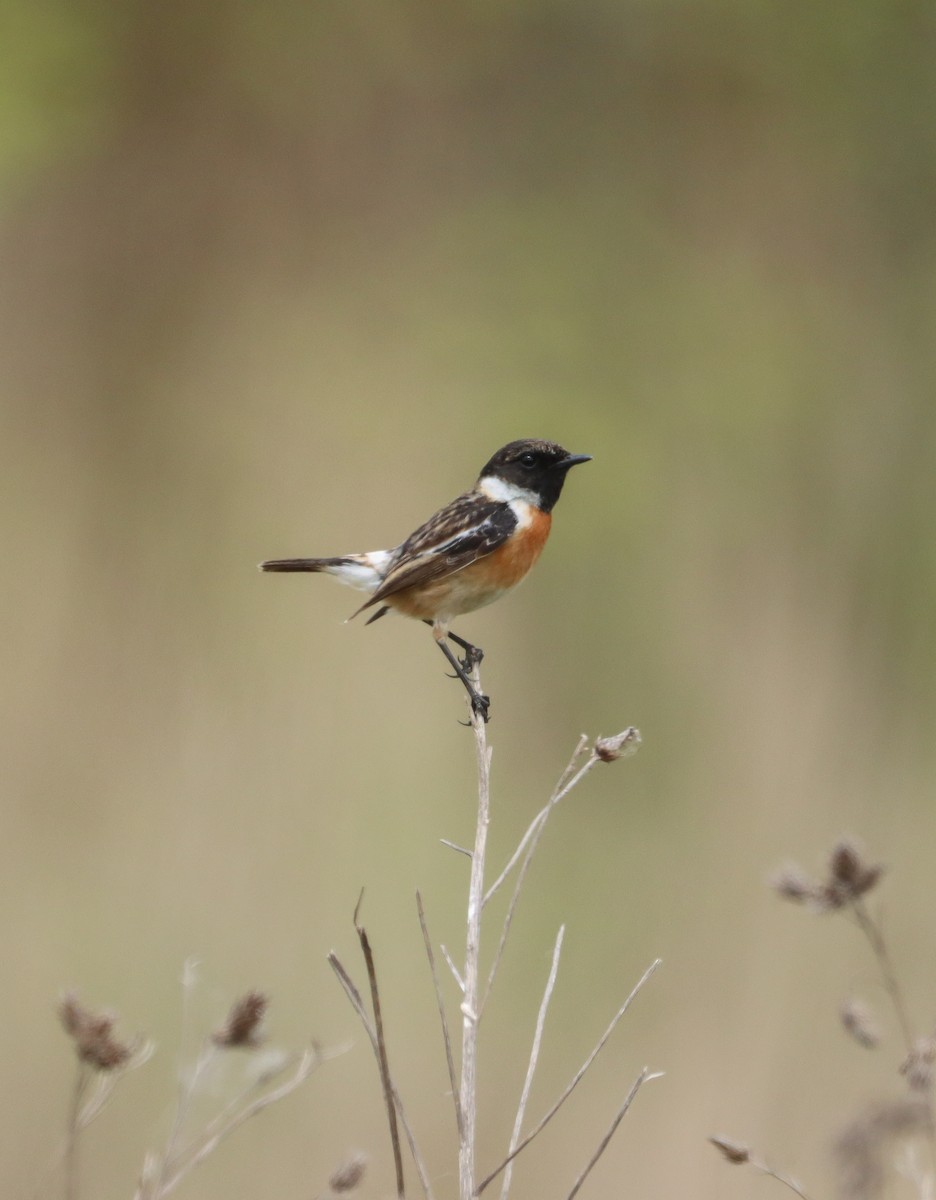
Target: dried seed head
(849, 874)
(848, 879)
(349, 1175)
(93, 1035)
(242, 1027)
(734, 1152)
(792, 883)
(858, 1021)
(917, 1067)
(610, 749)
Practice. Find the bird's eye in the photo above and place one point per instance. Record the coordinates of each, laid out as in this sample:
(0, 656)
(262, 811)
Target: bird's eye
(527, 460)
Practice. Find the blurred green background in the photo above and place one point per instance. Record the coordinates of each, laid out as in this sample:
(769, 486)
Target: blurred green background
(277, 279)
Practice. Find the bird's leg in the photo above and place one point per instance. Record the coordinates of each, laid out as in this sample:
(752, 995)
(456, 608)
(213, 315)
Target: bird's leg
(474, 655)
(480, 704)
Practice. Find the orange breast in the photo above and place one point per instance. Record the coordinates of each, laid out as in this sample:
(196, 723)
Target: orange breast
(480, 583)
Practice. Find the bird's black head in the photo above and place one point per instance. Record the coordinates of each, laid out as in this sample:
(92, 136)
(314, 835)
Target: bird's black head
(532, 466)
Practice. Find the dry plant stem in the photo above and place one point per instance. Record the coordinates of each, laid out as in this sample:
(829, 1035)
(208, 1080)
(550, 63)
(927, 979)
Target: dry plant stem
(540, 816)
(574, 1082)
(83, 1109)
(82, 1079)
(534, 1058)
(446, 1036)
(358, 1005)
(382, 1060)
(869, 928)
(459, 982)
(199, 1151)
(605, 1141)
(878, 944)
(188, 1083)
(530, 841)
(767, 1169)
(103, 1086)
(470, 1005)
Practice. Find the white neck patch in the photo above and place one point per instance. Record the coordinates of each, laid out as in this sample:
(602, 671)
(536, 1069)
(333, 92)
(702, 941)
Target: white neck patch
(506, 493)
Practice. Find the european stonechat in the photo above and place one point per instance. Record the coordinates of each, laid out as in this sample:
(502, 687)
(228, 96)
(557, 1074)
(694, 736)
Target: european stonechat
(465, 556)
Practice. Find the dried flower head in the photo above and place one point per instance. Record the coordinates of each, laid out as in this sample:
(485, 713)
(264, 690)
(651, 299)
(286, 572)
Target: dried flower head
(734, 1152)
(858, 1021)
(917, 1067)
(349, 1175)
(849, 877)
(849, 874)
(93, 1035)
(792, 883)
(610, 749)
(243, 1024)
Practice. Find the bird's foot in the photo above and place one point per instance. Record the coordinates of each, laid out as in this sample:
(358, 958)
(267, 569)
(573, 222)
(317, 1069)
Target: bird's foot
(474, 657)
(480, 707)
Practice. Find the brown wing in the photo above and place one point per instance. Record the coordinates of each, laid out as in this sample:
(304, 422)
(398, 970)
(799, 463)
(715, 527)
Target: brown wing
(459, 534)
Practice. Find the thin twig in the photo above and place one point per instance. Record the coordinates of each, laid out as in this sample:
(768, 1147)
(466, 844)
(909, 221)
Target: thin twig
(382, 1060)
(357, 1004)
(220, 1125)
(470, 1005)
(188, 1081)
(787, 1180)
(531, 840)
(618, 1118)
(446, 1037)
(307, 1064)
(574, 1082)
(878, 943)
(553, 799)
(460, 983)
(82, 1080)
(454, 846)
(570, 766)
(534, 1058)
(91, 1093)
(876, 940)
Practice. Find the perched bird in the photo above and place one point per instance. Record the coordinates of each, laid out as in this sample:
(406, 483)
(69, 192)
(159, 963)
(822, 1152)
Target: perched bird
(465, 556)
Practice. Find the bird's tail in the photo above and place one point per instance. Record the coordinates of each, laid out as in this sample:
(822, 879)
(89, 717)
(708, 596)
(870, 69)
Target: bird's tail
(302, 564)
(362, 571)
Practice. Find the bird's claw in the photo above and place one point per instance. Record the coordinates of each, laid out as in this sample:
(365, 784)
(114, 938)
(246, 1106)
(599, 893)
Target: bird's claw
(474, 657)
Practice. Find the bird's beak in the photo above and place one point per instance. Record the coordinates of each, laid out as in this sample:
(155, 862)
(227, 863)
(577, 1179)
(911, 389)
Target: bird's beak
(571, 460)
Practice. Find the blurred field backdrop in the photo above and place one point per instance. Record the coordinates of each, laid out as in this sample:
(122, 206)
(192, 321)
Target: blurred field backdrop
(277, 279)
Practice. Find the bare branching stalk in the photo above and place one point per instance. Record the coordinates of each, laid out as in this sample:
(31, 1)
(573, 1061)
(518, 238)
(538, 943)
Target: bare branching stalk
(629, 741)
(242, 1030)
(443, 1017)
(638, 1083)
(876, 940)
(468, 1089)
(357, 1004)
(103, 1060)
(849, 878)
(247, 1105)
(573, 1082)
(534, 1059)
(383, 1061)
(82, 1080)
